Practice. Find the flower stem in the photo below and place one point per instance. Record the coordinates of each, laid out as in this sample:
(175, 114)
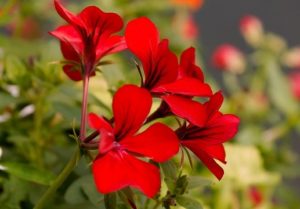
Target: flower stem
(84, 106)
(91, 137)
(59, 180)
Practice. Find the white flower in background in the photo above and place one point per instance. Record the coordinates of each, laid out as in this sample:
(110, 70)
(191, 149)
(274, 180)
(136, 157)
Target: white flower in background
(27, 110)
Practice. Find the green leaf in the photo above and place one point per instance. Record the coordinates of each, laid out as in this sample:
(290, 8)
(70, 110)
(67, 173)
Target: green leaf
(27, 172)
(14, 68)
(74, 194)
(69, 112)
(83, 189)
(6, 100)
(198, 182)
(110, 201)
(14, 191)
(127, 196)
(170, 171)
(181, 185)
(90, 190)
(188, 202)
(279, 90)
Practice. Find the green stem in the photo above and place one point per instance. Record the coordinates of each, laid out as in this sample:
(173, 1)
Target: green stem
(84, 106)
(59, 180)
(232, 83)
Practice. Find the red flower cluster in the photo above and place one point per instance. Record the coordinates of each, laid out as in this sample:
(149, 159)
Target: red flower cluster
(126, 155)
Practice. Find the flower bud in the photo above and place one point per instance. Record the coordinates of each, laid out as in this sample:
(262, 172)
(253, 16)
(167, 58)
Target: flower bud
(292, 58)
(186, 27)
(190, 29)
(255, 196)
(252, 29)
(227, 57)
(294, 79)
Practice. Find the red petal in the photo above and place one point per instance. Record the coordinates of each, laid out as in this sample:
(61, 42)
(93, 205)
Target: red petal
(110, 45)
(142, 38)
(158, 142)
(186, 86)
(72, 72)
(163, 67)
(131, 105)
(118, 169)
(67, 15)
(188, 67)
(207, 154)
(222, 129)
(214, 104)
(159, 63)
(100, 23)
(187, 109)
(69, 52)
(217, 131)
(215, 151)
(106, 131)
(99, 123)
(70, 37)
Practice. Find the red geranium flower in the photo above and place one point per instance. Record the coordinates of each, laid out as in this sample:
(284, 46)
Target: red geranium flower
(87, 38)
(206, 142)
(117, 165)
(164, 77)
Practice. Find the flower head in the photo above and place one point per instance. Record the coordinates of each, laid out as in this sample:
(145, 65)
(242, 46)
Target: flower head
(118, 164)
(175, 83)
(252, 29)
(229, 58)
(206, 142)
(86, 38)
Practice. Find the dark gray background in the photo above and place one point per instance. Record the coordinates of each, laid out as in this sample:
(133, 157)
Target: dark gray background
(219, 20)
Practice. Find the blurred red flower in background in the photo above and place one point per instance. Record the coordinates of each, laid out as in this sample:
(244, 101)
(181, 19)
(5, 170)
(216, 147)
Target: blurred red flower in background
(294, 79)
(229, 58)
(255, 196)
(252, 29)
(190, 29)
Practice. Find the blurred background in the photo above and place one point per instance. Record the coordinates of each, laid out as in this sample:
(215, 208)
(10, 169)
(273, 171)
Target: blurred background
(219, 20)
(248, 49)
(221, 24)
